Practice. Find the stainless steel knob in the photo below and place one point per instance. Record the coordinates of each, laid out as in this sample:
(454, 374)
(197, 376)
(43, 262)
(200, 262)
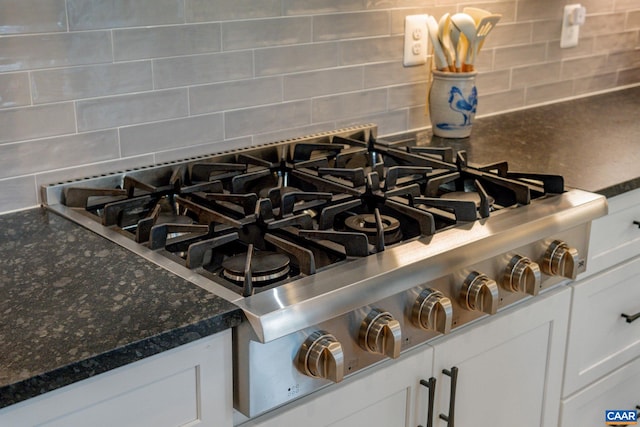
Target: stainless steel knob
(432, 311)
(321, 356)
(480, 293)
(560, 260)
(522, 275)
(380, 333)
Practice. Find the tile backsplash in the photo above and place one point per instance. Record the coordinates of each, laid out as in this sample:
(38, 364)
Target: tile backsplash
(94, 86)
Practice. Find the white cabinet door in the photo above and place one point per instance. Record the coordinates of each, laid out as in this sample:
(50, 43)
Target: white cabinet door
(601, 340)
(186, 386)
(387, 395)
(618, 390)
(509, 369)
(615, 237)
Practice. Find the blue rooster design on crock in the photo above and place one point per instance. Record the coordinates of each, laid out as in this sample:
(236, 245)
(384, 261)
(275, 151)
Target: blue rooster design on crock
(462, 105)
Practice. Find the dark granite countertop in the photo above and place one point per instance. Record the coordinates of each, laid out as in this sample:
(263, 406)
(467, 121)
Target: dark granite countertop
(74, 305)
(593, 142)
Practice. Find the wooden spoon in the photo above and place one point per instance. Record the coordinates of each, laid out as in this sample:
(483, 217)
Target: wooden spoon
(467, 27)
(444, 35)
(485, 26)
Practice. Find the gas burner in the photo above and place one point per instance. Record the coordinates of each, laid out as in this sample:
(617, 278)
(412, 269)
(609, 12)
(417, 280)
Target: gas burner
(266, 267)
(367, 224)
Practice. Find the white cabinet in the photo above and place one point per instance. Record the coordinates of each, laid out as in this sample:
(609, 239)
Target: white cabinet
(509, 368)
(601, 340)
(615, 237)
(602, 369)
(618, 390)
(388, 395)
(189, 385)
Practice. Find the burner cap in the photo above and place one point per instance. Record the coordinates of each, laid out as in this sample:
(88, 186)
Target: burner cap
(470, 196)
(366, 223)
(266, 267)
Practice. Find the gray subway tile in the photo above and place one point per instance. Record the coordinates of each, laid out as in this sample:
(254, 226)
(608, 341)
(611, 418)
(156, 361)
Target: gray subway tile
(500, 101)
(290, 59)
(54, 153)
(388, 122)
(126, 110)
(92, 169)
(202, 69)
(265, 32)
(185, 153)
(581, 67)
(595, 83)
(350, 25)
(14, 90)
(308, 7)
(526, 54)
(392, 73)
(94, 14)
(32, 16)
(324, 82)
(546, 72)
(19, 124)
(267, 118)
(161, 136)
(494, 81)
(548, 92)
(233, 95)
(54, 50)
(155, 42)
(349, 105)
(18, 193)
(290, 133)
(410, 95)
(224, 10)
(90, 81)
(378, 49)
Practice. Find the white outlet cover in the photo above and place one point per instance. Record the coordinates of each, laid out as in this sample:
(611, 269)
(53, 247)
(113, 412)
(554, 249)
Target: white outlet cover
(416, 40)
(570, 32)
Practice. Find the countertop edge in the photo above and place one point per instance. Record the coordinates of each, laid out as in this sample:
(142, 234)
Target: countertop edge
(57, 378)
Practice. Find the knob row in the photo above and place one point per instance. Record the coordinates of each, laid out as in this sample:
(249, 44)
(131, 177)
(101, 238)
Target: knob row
(321, 355)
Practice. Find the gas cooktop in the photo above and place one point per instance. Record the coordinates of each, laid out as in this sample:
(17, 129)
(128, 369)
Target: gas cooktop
(341, 236)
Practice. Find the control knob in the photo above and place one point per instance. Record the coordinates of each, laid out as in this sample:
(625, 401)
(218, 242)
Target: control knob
(560, 260)
(321, 356)
(432, 311)
(380, 333)
(522, 275)
(480, 293)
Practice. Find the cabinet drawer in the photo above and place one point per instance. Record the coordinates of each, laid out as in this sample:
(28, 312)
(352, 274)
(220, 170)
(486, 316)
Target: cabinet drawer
(615, 237)
(600, 339)
(618, 390)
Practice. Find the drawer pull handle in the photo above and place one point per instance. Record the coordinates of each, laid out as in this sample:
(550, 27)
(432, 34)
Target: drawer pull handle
(631, 318)
(453, 374)
(431, 385)
(637, 223)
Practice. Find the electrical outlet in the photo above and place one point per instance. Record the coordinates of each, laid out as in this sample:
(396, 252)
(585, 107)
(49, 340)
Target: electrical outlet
(415, 40)
(573, 18)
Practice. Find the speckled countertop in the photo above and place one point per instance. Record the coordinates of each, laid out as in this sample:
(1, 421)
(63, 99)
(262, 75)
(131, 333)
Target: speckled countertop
(74, 305)
(593, 142)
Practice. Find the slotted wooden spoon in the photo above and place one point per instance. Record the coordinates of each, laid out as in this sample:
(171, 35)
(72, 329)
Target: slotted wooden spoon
(485, 26)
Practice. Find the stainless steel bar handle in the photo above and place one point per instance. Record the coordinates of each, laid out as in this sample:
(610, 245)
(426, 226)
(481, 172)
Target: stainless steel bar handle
(449, 418)
(431, 385)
